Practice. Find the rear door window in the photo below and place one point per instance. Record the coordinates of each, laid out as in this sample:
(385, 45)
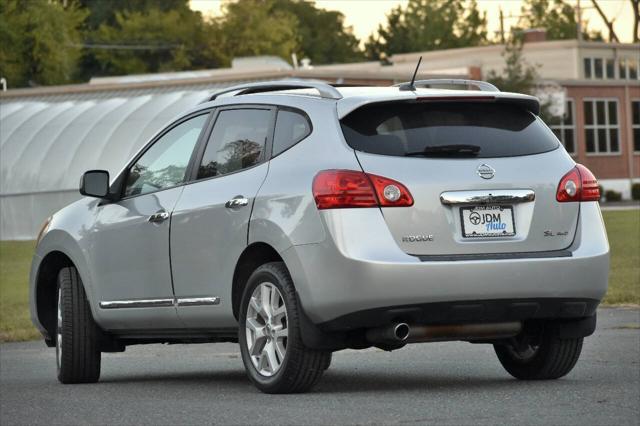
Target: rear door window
(291, 128)
(447, 129)
(237, 141)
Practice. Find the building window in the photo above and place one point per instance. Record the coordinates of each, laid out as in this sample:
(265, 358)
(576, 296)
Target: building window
(632, 67)
(564, 129)
(622, 68)
(601, 126)
(611, 67)
(628, 68)
(635, 124)
(587, 68)
(597, 65)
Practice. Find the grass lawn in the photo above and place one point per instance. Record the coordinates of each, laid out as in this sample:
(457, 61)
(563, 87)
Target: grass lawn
(15, 262)
(623, 228)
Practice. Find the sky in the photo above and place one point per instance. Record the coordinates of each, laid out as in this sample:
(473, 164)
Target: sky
(365, 15)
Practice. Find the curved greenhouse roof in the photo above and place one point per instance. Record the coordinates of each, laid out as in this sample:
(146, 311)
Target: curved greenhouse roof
(46, 146)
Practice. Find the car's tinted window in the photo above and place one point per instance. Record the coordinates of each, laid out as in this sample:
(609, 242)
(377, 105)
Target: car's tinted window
(236, 142)
(447, 129)
(291, 128)
(165, 163)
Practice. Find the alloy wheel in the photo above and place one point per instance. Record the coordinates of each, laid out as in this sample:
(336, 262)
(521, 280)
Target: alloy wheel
(266, 329)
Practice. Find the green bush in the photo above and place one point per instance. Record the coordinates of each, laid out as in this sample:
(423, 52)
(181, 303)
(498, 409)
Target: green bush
(601, 189)
(612, 195)
(635, 191)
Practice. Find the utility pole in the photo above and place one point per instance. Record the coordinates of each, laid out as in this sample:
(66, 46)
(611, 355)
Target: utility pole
(502, 26)
(579, 20)
(635, 4)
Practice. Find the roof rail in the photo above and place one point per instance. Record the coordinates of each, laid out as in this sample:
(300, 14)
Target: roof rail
(325, 90)
(482, 85)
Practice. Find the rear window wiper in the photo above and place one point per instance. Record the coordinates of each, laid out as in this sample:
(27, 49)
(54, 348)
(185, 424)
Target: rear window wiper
(446, 151)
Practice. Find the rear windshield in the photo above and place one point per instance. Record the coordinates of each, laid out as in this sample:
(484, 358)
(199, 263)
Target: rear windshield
(447, 129)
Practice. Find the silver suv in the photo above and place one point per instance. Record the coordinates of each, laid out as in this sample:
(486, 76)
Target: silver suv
(297, 219)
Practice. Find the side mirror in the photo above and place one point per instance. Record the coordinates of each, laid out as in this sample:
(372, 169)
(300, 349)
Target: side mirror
(95, 183)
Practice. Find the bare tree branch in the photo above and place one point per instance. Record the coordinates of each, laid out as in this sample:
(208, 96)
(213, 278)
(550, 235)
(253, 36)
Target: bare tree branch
(612, 33)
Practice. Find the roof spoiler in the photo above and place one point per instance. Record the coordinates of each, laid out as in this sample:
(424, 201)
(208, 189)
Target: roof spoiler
(530, 103)
(326, 90)
(435, 82)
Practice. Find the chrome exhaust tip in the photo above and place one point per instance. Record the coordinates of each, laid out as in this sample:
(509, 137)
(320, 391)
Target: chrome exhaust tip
(393, 333)
(401, 331)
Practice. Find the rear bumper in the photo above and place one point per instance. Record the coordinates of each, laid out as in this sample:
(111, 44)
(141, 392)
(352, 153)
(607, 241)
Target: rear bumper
(356, 270)
(469, 311)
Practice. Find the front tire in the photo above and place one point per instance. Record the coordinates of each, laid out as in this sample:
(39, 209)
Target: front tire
(77, 352)
(550, 358)
(274, 355)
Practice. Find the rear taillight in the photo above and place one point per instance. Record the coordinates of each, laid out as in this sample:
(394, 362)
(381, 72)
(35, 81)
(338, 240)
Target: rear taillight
(340, 189)
(578, 185)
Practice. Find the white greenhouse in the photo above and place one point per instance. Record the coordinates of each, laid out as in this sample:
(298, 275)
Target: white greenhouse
(50, 136)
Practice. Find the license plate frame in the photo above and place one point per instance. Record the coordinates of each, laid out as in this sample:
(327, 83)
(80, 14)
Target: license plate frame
(471, 229)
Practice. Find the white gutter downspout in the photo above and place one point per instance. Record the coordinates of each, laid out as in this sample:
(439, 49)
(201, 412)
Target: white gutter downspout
(629, 132)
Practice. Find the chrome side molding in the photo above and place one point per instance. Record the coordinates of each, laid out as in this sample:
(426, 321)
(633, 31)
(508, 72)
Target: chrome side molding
(145, 303)
(160, 303)
(497, 196)
(198, 301)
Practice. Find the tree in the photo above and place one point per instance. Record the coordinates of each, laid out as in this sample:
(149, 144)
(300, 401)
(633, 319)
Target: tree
(519, 76)
(322, 35)
(253, 27)
(429, 25)
(556, 17)
(40, 41)
(104, 12)
(155, 41)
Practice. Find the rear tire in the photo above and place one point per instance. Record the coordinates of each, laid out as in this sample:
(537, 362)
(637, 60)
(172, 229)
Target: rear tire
(274, 355)
(77, 352)
(551, 358)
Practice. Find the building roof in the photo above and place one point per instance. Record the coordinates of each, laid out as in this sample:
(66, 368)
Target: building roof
(555, 59)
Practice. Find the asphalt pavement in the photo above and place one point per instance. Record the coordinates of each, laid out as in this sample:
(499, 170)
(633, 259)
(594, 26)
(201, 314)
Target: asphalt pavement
(433, 383)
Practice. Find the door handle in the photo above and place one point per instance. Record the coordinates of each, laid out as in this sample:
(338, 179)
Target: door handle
(236, 202)
(159, 217)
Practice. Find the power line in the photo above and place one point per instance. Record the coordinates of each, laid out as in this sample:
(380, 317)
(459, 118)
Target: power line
(125, 46)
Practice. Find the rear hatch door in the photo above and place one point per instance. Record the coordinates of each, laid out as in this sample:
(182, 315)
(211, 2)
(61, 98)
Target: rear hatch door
(483, 176)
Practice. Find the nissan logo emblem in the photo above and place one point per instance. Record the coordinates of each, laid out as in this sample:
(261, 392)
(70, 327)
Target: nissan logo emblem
(485, 171)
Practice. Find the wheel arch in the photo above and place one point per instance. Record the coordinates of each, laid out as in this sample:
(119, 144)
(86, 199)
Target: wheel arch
(254, 255)
(46, 285)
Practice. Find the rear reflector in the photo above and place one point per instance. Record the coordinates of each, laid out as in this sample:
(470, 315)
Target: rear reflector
(578, 185)
(341, 189)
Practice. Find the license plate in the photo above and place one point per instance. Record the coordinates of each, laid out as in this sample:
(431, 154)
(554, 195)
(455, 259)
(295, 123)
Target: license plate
(487, 221)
